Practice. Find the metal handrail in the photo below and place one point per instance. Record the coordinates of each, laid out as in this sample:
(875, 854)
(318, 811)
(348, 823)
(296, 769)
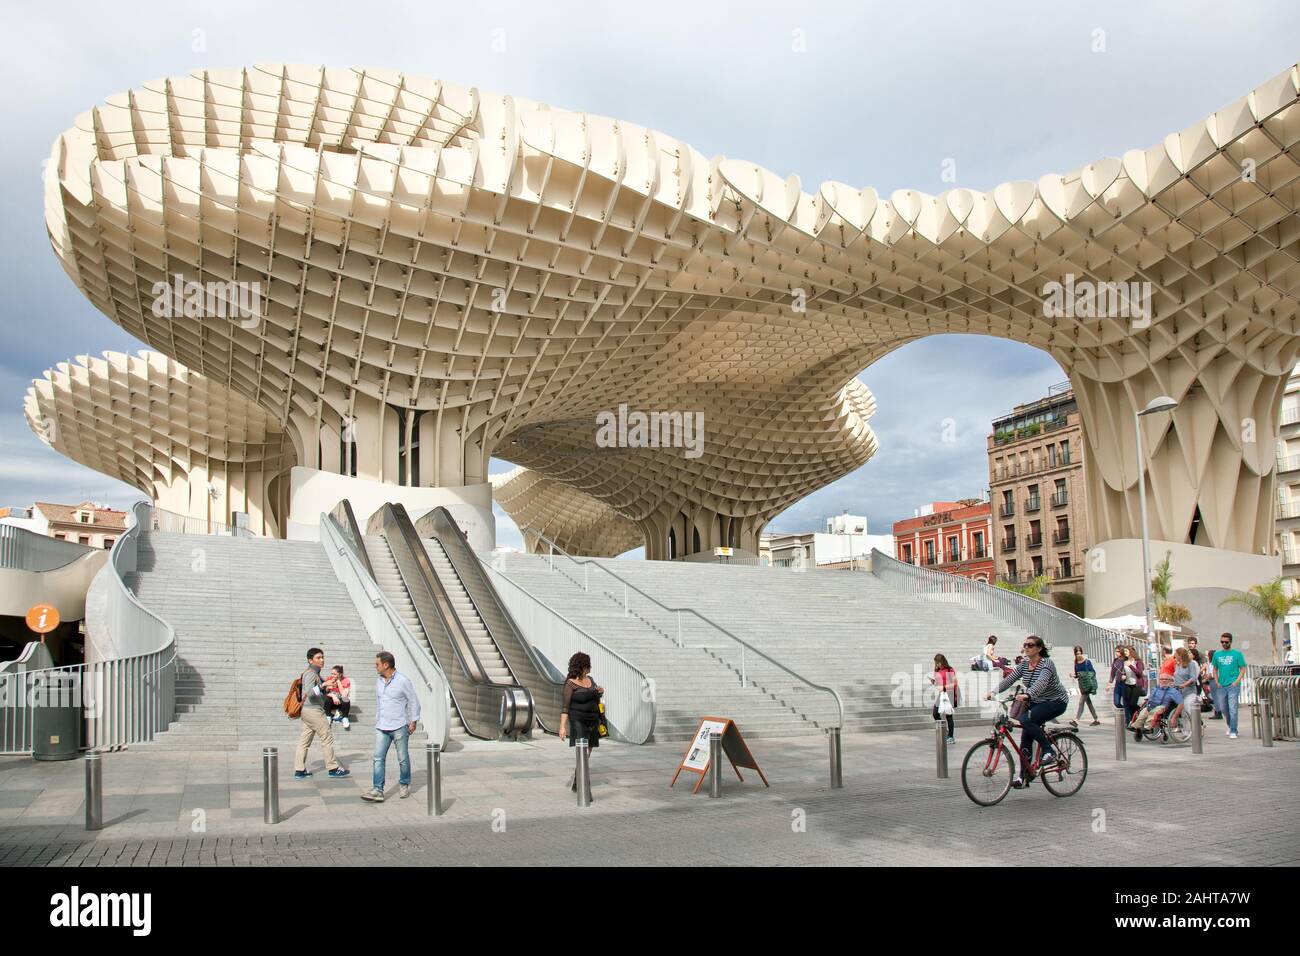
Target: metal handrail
(368, 598)
(637, 699)
(520, 658)
(345, 523)
(746, 648)
(505, 708)
(24, 550)
(127, 699)
(1054, 625)
(171, 522)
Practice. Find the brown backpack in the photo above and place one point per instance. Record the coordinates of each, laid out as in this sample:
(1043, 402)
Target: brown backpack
(293, 700)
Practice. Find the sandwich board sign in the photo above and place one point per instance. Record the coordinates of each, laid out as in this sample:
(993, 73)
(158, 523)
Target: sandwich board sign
(696, 759)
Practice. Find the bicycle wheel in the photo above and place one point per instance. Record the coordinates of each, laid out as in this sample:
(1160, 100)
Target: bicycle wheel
(1151, 733)
(987, 771)
(1073, 764)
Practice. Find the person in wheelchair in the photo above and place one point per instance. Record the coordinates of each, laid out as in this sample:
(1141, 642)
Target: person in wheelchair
(1164, 698)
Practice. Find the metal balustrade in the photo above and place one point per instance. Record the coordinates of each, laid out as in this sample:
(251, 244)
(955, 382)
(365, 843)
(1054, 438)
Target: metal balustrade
(172, 523)
(127, 699)
(23, 550)
(1288, 463)
(1057, 627)
(815, 702)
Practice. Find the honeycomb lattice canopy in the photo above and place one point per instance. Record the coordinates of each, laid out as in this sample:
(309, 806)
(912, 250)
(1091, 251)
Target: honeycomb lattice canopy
(475, 273)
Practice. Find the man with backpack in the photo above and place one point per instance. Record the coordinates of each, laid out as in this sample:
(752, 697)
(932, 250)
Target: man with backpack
(311, 705)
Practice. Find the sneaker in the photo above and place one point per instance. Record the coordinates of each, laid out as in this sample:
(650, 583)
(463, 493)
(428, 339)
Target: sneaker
(340, 772)
(404, 790)
(1049, 762)
(347, 724)
(1232, 735)
(950, 739)
(373, 795)
(1019, 783)
(301, 774)
(1095, 723)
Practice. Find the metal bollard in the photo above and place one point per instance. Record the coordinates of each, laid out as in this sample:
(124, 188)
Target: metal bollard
(270, 785)
(1266, 720)
(940, 751)
(433, 766)
(94, 791)
(715, 764)
(837, 760)
(1193, 710)
(583, 772)
(1121, 741)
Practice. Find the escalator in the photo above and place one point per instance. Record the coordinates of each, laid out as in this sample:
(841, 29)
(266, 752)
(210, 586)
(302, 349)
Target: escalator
(486, 699)
(484, 618)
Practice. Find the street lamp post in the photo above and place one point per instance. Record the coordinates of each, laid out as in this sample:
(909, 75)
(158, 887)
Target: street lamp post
(1161, 404)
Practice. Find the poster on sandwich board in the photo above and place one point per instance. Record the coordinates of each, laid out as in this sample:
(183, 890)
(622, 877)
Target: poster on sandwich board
(696, 758)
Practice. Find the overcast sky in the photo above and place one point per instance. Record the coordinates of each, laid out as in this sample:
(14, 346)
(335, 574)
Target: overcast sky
(871, 94)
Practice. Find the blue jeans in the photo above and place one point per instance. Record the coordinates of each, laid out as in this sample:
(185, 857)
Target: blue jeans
(1031, 723)
(402, 737)
(1225, 698)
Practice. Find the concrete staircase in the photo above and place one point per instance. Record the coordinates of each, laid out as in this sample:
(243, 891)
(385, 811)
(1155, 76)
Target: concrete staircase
(389, 580)
(846, 630)
(690, 683)
(245, 611)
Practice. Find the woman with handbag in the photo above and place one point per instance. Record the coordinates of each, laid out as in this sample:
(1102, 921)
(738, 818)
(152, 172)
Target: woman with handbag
(946, 701)
(1134, 683)
(1086, 677)
(581, 716)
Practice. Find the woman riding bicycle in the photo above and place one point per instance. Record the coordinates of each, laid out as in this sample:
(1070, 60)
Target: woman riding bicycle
(1046, 698)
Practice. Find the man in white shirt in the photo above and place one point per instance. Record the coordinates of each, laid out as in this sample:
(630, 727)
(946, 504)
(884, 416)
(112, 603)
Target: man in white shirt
(396, 711)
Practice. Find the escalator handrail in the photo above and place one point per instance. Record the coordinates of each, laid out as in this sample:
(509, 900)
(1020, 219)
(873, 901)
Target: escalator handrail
(431, 674)
(465, 563)
(345, 522)
(400, 533)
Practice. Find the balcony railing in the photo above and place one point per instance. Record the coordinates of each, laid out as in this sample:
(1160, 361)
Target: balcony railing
(1061, 537)
(1060, 499)
(930, 559)
(1288, 509)
(1031, 467)
(1288, 463)
(1033, 541)
(1008, 511)
(1008, 544)
(978, 551)
(953, 556)
(1290, 557)
(1033, 503)
(1005, 436)
(1290, 416)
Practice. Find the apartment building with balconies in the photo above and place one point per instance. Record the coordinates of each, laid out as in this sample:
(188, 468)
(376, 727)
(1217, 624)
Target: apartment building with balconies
(1288, 496)
(952, 536)
(1037, 492)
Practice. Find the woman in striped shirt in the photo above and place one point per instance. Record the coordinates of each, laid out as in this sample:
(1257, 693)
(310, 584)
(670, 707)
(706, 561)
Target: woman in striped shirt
(1046, 698)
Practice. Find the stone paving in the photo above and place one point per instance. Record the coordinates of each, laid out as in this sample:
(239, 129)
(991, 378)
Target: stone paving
(509, 803)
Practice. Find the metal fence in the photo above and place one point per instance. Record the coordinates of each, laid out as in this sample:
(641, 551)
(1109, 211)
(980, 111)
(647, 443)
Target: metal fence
(1282, 691)
(169, 521)
(24, 550)
(753, 668)
(127, 699)
(1057, 627)
(629, 694)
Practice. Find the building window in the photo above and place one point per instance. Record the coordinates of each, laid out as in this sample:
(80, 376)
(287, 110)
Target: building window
(1011, 570)
(1065, 452)
(929, 552)
(1066, 570)
(84, 539)
(1038, 565)
(108, 543)
(907, 553)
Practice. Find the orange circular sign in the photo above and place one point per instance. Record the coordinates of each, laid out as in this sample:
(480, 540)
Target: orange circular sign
(43, 618)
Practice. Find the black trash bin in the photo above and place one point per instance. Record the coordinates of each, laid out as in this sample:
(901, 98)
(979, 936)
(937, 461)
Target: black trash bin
(56, 716)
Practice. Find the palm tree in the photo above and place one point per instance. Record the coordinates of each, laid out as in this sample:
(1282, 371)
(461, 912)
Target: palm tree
(1161, 582)
(1268, 602)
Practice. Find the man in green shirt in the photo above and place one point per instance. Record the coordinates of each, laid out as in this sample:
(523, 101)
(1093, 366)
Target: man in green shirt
(1229, 664)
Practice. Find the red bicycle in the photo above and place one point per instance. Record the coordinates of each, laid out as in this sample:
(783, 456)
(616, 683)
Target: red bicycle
(990, 765)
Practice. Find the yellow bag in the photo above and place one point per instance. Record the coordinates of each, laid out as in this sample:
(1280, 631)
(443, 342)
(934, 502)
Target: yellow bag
(601, 724)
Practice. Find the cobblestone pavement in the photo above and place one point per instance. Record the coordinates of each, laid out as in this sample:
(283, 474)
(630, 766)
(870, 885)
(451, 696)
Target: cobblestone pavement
(509, 803)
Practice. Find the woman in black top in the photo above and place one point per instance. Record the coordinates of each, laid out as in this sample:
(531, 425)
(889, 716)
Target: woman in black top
(581, 714)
